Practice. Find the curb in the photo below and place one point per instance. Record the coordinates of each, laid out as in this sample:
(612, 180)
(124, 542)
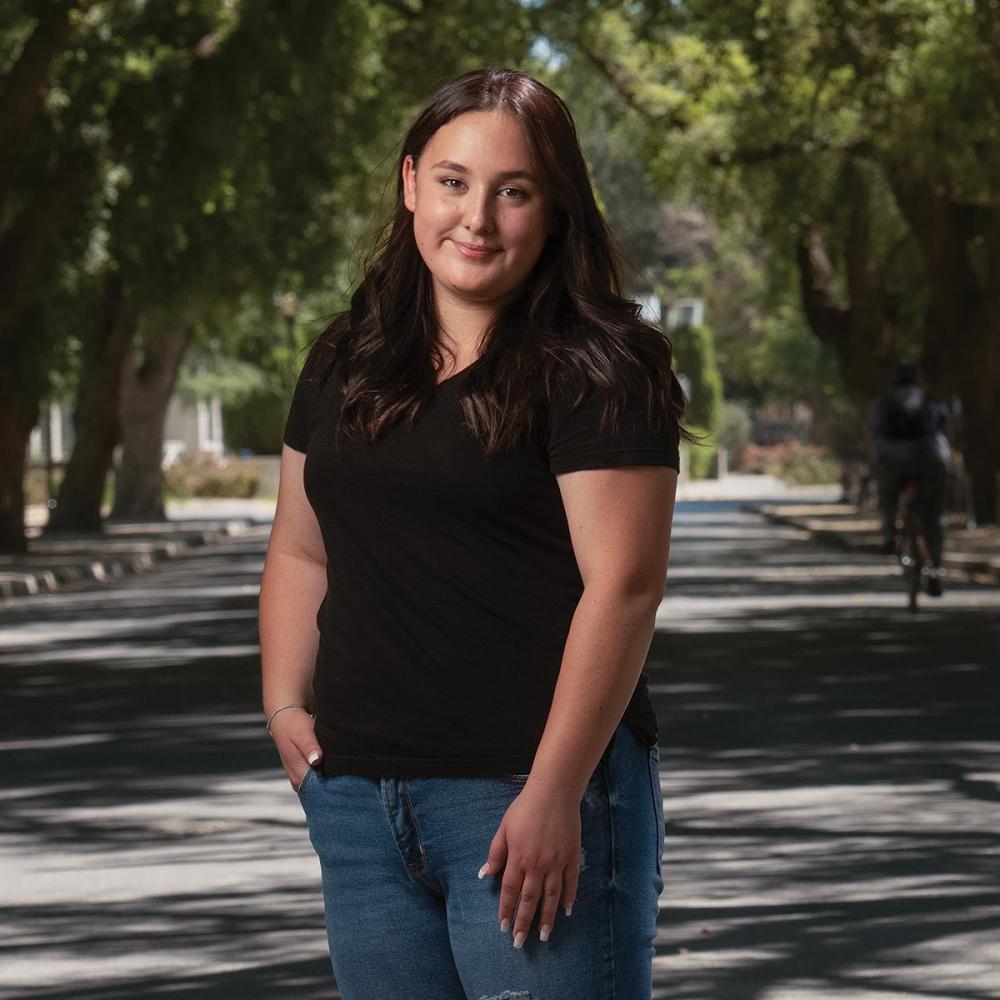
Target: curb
(977, 568)
(119, 550)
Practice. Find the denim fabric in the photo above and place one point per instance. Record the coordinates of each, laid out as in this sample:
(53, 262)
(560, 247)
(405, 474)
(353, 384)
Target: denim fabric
(407, 917)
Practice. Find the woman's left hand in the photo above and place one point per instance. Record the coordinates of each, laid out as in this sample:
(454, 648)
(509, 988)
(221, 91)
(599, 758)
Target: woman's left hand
(537, 846)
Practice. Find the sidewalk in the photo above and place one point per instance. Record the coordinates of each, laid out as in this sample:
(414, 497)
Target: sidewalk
(121, 549)
(52, 564)
(753, 486)
(124, 548)
(969, 553)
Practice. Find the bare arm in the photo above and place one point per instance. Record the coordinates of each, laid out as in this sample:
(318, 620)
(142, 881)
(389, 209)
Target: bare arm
(292, 588)
(619, 521)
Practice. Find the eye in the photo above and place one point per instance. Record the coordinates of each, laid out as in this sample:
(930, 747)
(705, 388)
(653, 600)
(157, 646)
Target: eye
(448, 182)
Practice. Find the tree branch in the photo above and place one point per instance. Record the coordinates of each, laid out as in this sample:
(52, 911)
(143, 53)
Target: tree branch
(626, 85)
(27, 83)
(827, 316)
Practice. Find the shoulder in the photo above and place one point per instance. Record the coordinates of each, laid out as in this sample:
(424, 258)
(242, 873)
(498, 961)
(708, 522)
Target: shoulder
(599, 420)
(320, 360)
(306, 399)
(571, 380)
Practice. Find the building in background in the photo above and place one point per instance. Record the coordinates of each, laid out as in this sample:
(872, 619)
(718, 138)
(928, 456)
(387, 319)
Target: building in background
(685, 312)
(192, 429)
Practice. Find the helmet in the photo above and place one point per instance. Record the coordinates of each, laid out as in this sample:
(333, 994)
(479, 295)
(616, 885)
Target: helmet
(906, 373)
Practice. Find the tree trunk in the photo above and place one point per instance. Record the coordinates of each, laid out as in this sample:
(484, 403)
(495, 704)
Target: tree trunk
(963, 315)
(96, 416)
(979, 384)
(17, 416)
(25, 340)
(23, 385)
(859, 330)
(982, 450)
(146, 390)
(861, 347)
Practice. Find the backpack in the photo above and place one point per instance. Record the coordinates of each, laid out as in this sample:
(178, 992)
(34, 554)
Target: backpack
(907, 414)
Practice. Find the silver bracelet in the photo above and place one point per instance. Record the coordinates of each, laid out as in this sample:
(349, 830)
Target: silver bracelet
(281, 708)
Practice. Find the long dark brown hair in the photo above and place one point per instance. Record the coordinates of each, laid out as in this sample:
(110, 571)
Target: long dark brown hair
(569, 326)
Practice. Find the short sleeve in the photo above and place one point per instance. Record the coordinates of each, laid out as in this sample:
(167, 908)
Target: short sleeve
(305, 399)
(576, 441)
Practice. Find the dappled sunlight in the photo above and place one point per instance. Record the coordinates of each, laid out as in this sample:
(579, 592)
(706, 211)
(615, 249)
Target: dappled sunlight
(830, 768)
(105, 948)
(831, 774)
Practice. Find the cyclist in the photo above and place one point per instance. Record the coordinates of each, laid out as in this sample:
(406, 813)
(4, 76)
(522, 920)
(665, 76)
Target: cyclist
(911, 442)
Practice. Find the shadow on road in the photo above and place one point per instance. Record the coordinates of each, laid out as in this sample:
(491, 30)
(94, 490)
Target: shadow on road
(831, 770)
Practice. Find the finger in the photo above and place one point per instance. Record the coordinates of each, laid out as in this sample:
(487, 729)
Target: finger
(309, 748)
(550, 903)
(571, 881)
(531, 896)
(510, 889)
(496, 857)
(295, 769)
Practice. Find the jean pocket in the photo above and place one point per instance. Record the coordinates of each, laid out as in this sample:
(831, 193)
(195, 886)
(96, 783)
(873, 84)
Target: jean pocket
(304, 780)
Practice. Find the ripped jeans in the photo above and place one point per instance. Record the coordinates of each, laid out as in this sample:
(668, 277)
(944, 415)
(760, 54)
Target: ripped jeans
(407, 917)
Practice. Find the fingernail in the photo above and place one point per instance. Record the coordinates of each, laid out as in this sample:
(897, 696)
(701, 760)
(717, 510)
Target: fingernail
(569, 910)
(505, 925)
(482, 871)
(519, 939)
(544, 932)
(313, 757)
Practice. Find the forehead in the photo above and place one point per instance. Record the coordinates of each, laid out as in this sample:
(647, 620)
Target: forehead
(489, 140)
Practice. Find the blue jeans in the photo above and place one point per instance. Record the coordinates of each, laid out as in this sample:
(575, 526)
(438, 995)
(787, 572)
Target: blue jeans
(406, 915)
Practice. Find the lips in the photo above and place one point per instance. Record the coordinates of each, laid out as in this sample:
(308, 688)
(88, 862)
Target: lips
(474, 252)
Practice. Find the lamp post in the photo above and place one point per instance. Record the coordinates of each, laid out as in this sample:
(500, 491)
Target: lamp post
(289, 307)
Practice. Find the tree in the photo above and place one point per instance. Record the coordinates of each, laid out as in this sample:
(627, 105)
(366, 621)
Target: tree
(231, 151)
(860, 140)
(42, 187)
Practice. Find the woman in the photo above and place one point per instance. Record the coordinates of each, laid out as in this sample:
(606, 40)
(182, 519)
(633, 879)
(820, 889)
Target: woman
(469, 548)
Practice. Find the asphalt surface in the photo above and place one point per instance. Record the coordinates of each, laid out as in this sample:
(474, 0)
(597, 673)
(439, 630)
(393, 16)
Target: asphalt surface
(831, 768)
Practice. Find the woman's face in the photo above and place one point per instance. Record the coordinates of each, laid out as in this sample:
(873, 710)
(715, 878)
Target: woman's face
(475, 186)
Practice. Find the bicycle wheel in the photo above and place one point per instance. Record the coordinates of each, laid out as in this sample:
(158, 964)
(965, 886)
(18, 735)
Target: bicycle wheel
(912, 559)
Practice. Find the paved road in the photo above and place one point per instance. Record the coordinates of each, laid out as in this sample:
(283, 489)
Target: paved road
(831, 768)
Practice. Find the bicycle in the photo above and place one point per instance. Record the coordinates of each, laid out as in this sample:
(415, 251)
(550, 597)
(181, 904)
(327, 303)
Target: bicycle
(911, 548)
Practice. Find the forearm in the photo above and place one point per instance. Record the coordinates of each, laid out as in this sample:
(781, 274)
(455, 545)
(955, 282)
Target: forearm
(291, 591)
(606, 648)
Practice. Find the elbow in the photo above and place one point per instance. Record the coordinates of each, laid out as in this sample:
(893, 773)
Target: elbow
(639, 597)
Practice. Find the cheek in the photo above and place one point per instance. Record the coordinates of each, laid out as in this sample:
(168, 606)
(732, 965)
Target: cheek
(525, 229)
(434, 215)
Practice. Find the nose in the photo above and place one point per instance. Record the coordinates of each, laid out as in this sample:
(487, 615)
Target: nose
(479, 211)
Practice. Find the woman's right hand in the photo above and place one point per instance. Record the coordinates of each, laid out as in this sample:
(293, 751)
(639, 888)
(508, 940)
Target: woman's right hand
(294, 734)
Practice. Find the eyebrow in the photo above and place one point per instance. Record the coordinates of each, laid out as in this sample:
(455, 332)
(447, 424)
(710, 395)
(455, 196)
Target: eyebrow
(505, 176)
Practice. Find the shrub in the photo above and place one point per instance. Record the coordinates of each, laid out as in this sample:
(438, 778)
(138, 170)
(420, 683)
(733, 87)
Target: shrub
(205, 476)
(734, 431)
(700, 455)
(695, 359)
(793, 462)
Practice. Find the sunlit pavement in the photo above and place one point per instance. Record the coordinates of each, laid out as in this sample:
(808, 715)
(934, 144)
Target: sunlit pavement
(831, 767)
(831, 771)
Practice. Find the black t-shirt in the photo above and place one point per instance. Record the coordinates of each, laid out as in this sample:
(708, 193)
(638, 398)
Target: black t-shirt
(451, 579)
